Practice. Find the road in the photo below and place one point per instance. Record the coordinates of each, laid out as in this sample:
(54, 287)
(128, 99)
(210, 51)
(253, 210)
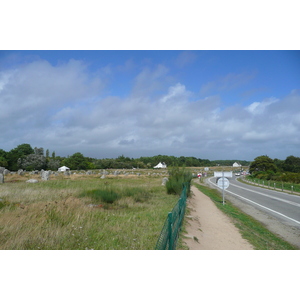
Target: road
(279, 211)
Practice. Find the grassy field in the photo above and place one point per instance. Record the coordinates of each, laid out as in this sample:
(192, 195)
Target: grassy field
(251, 229)
(80, 212)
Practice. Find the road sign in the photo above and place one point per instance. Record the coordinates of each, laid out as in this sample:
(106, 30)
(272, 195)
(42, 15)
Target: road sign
(223, 183)
(221, 174)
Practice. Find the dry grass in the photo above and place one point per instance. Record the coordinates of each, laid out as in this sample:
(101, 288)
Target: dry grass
(53, 215)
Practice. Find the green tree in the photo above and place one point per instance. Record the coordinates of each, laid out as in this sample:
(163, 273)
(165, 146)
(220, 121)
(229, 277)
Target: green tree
(76, 162)
(32, 162)
(279, 164)
(3, 159)
(53, 164)
(292, 164)
(39, 151)
(16, 153)
(3, 162)
(262, 163)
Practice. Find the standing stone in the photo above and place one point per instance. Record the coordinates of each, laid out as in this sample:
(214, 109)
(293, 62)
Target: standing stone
(2, 169)
(164, 181)
(20, 172)
(1, 178)
(45, 175)
(32, 181)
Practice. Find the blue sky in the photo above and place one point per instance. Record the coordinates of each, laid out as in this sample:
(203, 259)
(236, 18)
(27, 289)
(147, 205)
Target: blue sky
(207, 104)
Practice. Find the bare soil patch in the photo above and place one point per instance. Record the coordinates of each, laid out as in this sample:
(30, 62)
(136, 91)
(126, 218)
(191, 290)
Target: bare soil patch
(210, 229)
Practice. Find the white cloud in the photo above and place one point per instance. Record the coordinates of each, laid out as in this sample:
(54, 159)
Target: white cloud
(63, 108)
(260, 107)
(175, 92)
(149, 81)
(35, 88)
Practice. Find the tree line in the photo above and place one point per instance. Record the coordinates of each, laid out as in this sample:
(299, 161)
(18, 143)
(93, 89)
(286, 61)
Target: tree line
(264, 167)
(27, 158)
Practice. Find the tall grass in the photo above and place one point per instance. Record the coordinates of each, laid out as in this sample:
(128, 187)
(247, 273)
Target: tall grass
(98, 196)
(74, 213)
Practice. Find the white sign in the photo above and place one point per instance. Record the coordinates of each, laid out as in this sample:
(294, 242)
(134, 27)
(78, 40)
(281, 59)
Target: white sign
(223, 183)
(220, 174)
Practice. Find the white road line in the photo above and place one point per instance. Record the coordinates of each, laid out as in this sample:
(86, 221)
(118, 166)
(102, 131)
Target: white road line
(274, 211)
(273, 197)
(274, 191)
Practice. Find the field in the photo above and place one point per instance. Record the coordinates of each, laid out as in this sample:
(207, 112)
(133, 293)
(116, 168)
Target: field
(83, 212)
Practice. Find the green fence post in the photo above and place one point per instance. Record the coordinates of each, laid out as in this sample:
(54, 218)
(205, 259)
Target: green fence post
(170, 231)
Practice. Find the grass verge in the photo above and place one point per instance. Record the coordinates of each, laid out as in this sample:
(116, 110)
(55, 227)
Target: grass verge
(250, 229)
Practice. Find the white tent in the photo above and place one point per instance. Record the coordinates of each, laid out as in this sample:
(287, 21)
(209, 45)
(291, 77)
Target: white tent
(63, 169)
(160, 166)
(236, 165)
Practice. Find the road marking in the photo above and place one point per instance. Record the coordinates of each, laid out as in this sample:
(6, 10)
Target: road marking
(274, 211)
(273, 197)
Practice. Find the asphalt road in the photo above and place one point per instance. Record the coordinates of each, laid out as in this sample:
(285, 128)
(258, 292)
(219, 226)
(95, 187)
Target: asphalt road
(276, 208)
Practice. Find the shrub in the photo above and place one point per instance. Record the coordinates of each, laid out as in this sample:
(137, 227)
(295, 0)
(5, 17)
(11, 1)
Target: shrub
(177, 177)
(107, 195)
(32, 162)
(3, 203)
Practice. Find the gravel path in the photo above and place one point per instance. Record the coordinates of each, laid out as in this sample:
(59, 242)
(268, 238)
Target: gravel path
(210, 229)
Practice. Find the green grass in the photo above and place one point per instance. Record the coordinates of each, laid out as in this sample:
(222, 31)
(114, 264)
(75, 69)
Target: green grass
(251, 229)
(104, 195)
(271, 184)
(74, 213)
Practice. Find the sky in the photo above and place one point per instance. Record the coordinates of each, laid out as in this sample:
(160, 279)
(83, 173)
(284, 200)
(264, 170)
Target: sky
(207, 104)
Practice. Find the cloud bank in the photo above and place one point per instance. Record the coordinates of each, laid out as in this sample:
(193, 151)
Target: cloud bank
(66, 108)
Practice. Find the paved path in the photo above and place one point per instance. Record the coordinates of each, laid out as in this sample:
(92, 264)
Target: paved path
(209, 228)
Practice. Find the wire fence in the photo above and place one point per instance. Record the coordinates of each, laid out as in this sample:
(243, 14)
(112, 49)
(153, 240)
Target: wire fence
(170, 231)
(275, 185)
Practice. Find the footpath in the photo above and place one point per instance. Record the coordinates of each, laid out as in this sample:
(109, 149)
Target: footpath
(210, 229)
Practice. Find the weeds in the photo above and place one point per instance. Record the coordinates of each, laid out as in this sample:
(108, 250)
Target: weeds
(57, 214)
(98, 196)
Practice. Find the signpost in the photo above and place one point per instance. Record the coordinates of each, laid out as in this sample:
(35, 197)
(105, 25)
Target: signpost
(223, 183)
